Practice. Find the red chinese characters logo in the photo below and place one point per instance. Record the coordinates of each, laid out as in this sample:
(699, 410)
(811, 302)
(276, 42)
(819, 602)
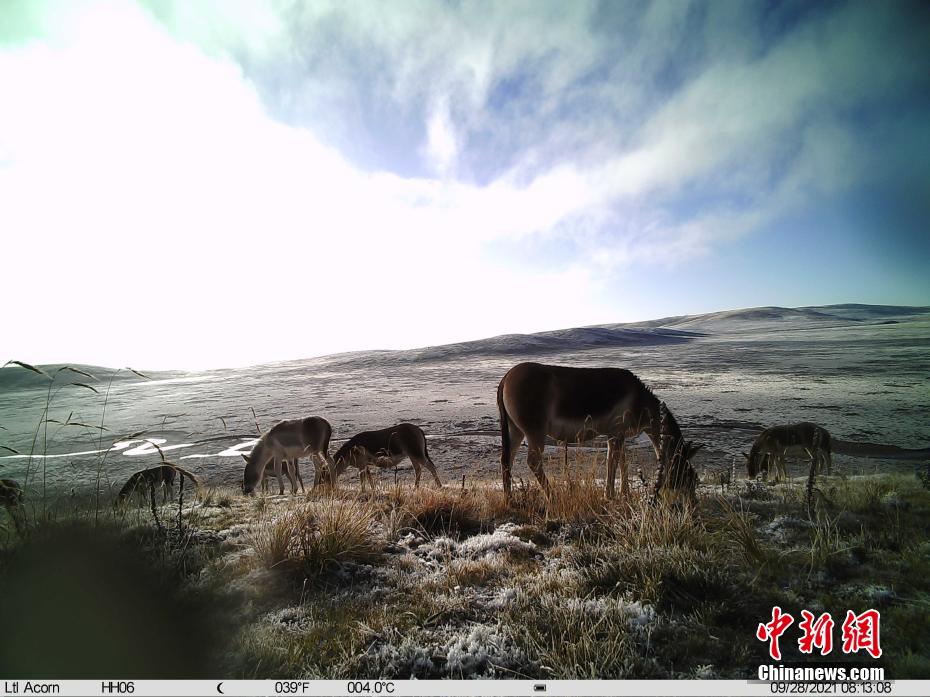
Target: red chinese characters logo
(773, 630)
(817, 634)
(860, 632)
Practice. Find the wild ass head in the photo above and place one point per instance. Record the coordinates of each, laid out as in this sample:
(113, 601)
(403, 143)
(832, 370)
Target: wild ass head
(252, 476)
(348, 454)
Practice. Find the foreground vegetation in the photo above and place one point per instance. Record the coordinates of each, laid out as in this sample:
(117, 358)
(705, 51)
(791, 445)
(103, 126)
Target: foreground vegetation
(457, 583)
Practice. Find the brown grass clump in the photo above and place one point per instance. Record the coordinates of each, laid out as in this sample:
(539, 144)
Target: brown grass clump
(576, 496)
(313, 538)
(474, 572)
(273, 541)
(334, 531)
(443, 512)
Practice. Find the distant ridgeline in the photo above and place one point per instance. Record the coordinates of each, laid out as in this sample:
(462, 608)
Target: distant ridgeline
(667, 330)
(551, 342)
(823, 315)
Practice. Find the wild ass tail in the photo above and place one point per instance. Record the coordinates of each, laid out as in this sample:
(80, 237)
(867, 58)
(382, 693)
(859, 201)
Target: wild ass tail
(505, 424)
(426, 452)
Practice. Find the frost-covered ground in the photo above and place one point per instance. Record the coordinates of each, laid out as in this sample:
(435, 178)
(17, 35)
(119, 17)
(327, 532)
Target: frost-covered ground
(459, 584)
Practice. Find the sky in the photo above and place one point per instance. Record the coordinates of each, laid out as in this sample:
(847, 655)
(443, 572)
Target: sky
(222, 183)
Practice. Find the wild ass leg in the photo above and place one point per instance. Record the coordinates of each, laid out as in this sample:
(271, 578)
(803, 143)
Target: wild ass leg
(624, 470)
(534, 458)
(612, 452)
(429, 466)
(778, 465)
(516, 439)
(300, 479)
(291, 468)
(416, 472)
(277, 473)
(317, 469)
(364, 475)
(330, 469)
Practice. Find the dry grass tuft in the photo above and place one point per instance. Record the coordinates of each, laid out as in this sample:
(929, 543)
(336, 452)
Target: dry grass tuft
(273, 541)
(435, 512)
(310, 540)
(333, 531)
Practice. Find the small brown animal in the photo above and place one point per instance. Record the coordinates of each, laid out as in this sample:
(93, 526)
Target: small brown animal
(159, 476)
(385, 448)
(776, 442)
(11, 498)
(11, 493)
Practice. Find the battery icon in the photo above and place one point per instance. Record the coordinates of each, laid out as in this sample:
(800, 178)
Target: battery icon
(539, 688)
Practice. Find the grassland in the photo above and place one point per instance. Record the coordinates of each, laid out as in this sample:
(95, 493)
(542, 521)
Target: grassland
(458, 583)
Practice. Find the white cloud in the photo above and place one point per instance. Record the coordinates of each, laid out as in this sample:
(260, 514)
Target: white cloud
(442, 145)
(172, 223)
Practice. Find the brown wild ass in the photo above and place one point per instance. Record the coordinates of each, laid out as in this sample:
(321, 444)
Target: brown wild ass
(798, 440)
(287, 441)
(159, 476)
(577, 404)
(385, 448)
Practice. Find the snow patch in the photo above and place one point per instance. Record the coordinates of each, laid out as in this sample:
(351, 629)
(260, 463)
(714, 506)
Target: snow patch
(480, 651)
(780, 529)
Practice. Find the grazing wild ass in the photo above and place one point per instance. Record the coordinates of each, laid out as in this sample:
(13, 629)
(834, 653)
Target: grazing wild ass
(385, 448)
(159, 476)
(11, 493)
(11, 498)
(287, 441)
(577, 404)
(798, 440)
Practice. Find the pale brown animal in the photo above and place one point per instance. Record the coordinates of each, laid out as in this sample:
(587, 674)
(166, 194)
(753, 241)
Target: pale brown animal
(287, 441)
(385, 448)
(577, 404)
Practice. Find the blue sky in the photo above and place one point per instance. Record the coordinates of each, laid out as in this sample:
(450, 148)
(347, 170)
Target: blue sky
(223, 183)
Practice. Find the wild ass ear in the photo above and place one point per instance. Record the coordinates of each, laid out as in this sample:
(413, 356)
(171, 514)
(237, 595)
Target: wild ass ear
(245, 457)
